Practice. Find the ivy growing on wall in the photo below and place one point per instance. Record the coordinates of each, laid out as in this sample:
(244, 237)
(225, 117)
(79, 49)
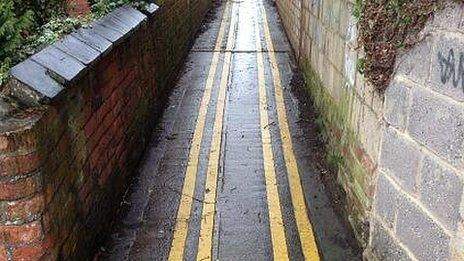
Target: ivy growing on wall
(42, 10)
(385, 26)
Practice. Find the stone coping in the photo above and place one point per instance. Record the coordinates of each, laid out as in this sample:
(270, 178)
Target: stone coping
(45, 75)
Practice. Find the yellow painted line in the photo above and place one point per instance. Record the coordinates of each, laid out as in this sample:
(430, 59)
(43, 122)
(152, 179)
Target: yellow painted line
(279, 241)
(305, 230)
(183, 214)
(205, 244)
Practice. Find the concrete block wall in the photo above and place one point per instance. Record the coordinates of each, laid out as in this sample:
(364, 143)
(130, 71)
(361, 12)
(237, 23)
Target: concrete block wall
(74, 121)
(323, 34)
(403, 167)
(418, 208)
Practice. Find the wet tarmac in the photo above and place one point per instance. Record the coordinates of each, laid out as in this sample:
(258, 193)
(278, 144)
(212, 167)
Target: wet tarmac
(229, 174)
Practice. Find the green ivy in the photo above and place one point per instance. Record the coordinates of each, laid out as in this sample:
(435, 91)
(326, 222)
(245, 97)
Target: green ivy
(357, 10)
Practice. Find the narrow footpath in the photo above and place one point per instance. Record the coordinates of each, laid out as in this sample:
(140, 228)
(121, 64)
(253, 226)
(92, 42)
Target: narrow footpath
(227, 176)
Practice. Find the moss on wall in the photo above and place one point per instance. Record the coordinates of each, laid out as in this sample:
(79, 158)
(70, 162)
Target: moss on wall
(342, 150)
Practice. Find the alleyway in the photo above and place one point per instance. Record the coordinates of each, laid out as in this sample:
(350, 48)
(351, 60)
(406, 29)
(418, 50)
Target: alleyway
(228, 175)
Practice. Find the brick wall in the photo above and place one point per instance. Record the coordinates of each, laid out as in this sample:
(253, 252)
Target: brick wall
(74, 122)
(323, 34)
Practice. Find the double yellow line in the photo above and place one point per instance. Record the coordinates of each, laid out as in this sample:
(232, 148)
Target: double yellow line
(279, 241)
(305, 231)
(277, 228)
(209, 210)
(209, 205)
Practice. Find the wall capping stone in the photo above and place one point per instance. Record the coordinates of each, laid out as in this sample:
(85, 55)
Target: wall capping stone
(151, 9)
(43, 76)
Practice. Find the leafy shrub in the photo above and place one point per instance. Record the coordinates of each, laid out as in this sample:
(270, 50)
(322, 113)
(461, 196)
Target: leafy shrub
(102, 7)
(12, 29)
(43, 10)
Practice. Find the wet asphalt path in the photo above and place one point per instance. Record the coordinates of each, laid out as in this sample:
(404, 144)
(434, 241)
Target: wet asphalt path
(228, 175)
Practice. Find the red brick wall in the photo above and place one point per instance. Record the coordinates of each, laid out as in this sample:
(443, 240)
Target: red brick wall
(65, 165)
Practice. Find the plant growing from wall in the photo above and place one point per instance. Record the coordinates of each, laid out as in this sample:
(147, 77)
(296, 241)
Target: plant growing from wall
(340, 145)
(385, 26)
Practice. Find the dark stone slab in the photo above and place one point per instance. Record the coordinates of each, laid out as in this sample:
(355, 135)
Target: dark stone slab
(91, 38)
(131, 25)
(34, 76)
(78, 49)
(61, 66)
(129, 16)
(115, 24)
(151, 9)
(110, 34)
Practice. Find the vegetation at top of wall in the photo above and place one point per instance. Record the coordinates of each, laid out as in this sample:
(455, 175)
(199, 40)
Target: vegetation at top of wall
(28, 26)
(385, 26)
(42, 11)
(102, 7)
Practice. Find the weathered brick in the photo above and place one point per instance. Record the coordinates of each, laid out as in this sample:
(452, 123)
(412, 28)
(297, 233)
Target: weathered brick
(23, 141)
(441, 191)
(28, 253)
(400, 158)
(22, 211)
(91, 126)
(41, 250)
(22, 234)
(437, 123)
(3, 253)
(17, 189)
(19, 165)
(420, 234)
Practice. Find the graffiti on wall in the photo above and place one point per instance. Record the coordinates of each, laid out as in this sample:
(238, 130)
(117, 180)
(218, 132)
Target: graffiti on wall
(452, 68)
